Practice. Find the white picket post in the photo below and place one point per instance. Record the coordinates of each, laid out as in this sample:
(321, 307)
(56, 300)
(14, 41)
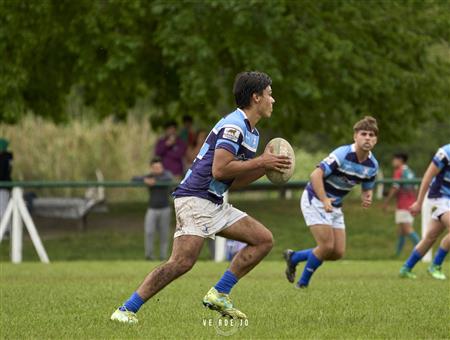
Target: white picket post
(426, 218)
(31, 227)
(16, 232)
(18, 212)
(380, 187)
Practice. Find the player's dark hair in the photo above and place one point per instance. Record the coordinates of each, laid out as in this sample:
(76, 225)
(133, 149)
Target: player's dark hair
(248, 83)
(401, 155)
(155, 159)
(368, 123)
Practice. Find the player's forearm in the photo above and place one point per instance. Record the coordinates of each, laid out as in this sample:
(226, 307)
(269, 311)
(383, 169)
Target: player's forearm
(392, 192)
(236, 169)
(247, 178)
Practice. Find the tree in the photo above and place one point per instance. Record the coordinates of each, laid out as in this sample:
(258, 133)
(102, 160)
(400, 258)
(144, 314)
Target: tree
(331, 61)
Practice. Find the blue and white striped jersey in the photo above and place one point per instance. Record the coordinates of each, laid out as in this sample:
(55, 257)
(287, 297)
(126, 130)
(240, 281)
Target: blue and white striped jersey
(232, 133)
(440, 186)
(342, 171)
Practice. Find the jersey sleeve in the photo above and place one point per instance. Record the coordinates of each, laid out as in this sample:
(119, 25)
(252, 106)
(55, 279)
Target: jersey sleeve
(333, 161)
(369, 185)
(441, 158)
(230, 138)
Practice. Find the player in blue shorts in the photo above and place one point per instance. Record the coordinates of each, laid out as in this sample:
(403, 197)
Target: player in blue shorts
(437, 182)
(227, 158)
(321, 201)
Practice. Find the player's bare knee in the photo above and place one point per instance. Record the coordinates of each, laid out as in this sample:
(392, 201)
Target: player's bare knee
(266, 241)
(185, 265)
(431, 237)
(181, 264)
(267, 246)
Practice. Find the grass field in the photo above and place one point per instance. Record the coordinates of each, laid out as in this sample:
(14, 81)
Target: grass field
(75, 295)
(346, 300)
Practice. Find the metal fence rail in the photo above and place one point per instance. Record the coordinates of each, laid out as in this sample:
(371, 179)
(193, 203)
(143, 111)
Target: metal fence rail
(263, 185)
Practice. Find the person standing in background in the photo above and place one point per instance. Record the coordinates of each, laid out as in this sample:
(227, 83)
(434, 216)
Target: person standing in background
(6, 159)
(190, 137)
(171, 149)
(406, 196)
(187, 133)
(159, 211)
(193, 149)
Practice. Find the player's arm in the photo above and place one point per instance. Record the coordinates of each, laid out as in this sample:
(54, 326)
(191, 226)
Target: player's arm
(225, 166)
(250, 176)
(247, 178)
(317, 184)
(367, 191)
(366, 198)
(392, 193)
(431, 172)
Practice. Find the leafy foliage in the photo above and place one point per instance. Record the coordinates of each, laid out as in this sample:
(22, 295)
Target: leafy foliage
(331, 61)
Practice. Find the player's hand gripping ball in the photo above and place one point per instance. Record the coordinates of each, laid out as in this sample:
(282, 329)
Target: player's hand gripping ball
(280, 146)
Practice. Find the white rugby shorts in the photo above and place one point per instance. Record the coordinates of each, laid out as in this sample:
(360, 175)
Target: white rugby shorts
(314, 213)
(201, 217)
(403, 216)
(440, 206)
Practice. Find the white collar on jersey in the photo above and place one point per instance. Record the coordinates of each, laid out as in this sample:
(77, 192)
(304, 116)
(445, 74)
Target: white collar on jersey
(243, 112)
(245, 116)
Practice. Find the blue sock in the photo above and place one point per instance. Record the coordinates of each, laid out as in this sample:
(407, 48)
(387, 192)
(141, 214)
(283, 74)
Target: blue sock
(310, 267)
(413, 259)
(300, 256)
(227, 282)
(400, 244)
(414, 238)
(133, 304)
(440, 256)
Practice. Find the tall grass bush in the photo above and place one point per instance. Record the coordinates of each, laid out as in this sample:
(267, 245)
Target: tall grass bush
(44, 150)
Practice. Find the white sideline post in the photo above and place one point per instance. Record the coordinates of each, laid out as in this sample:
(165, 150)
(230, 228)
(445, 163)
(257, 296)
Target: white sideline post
(18, 212)
(426, 217)
(220, 243)
(16, 234)
(380, 186)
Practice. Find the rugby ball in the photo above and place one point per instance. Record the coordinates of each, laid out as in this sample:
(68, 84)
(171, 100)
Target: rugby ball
(280, 146)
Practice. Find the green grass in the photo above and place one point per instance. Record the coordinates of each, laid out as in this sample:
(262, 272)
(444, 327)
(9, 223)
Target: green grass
(118, 235)
(346, 300)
